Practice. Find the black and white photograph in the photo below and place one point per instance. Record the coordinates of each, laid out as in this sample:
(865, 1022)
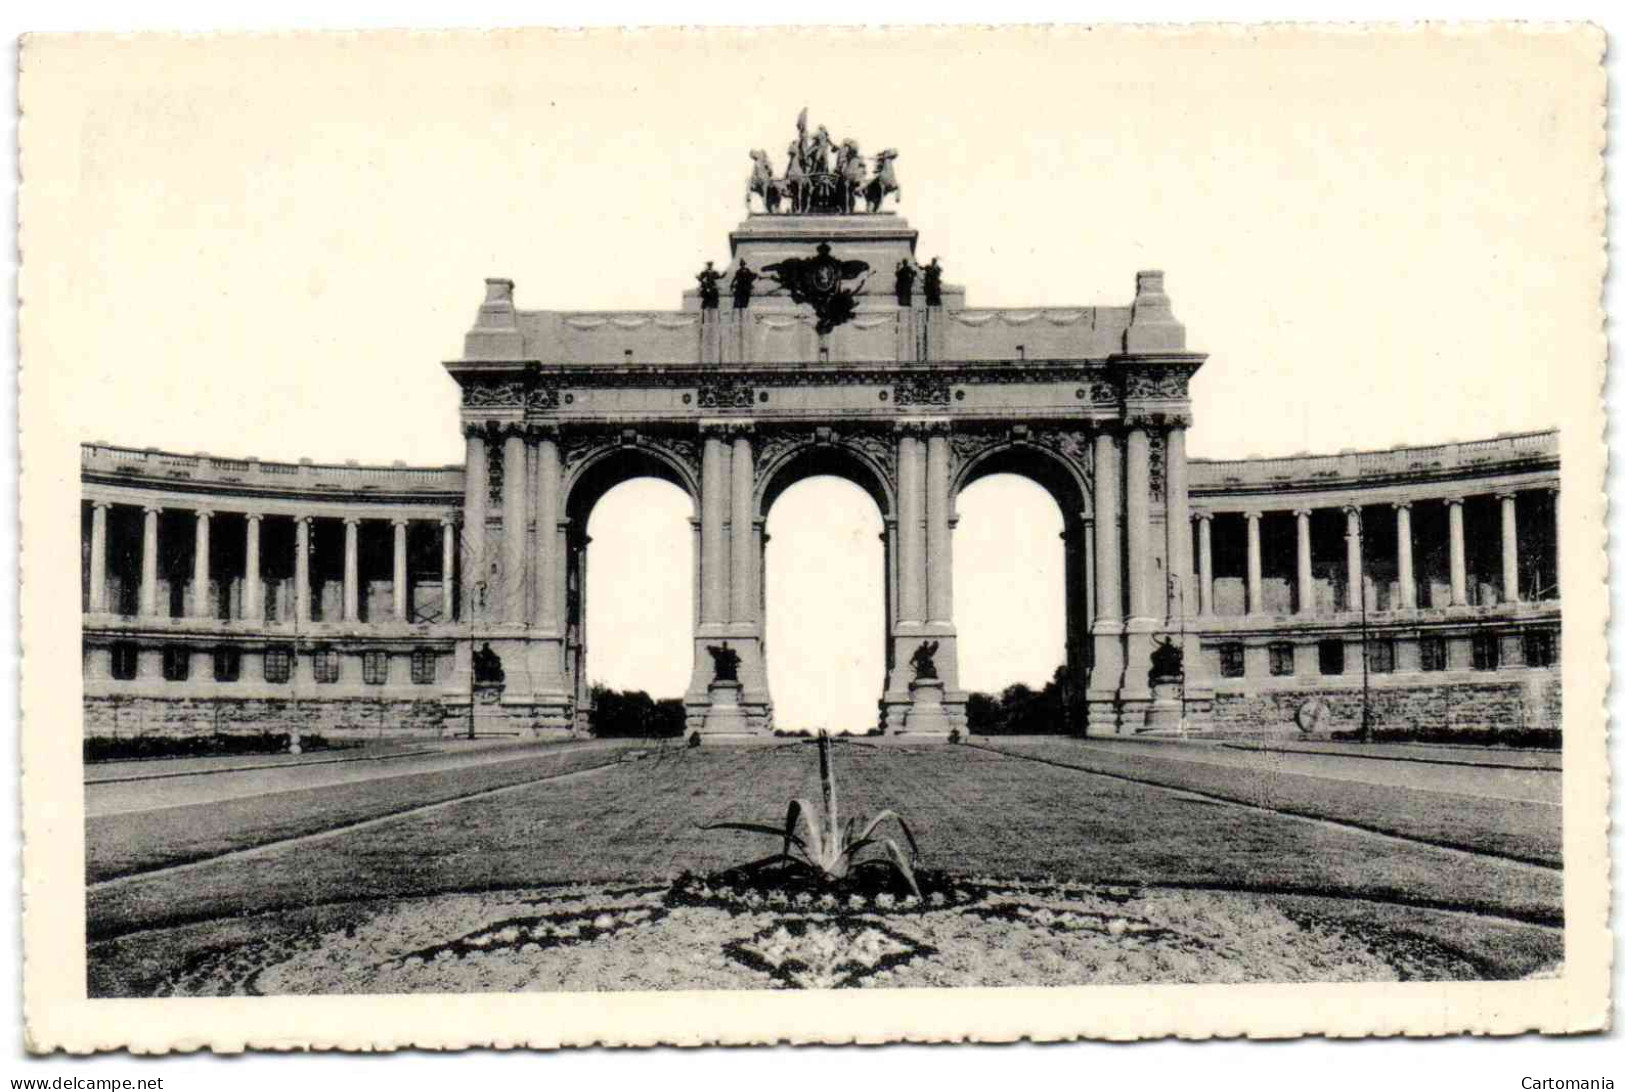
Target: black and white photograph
(574, 516)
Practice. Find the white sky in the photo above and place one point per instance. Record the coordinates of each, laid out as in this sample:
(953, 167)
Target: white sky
(280, 249)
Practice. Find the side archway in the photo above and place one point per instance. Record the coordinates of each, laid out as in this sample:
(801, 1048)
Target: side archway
(1067, 483)
(646, 524)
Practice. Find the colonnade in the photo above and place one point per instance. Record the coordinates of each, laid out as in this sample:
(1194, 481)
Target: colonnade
(1354, 561)
(253, 571)
(1129, 605)
(532, 573)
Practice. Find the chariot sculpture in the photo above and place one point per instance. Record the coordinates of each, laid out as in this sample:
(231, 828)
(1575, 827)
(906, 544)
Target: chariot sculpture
(812, 184)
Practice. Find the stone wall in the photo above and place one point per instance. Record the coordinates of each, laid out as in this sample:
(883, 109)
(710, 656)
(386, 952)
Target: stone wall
(107, 717)
(1533, 703)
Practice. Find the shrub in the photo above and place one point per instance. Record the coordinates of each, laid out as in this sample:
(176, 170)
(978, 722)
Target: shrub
(633, 714)
(123, 748)
(815, 843)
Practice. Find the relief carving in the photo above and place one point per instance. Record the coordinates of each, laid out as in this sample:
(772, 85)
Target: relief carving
(726, 392)
(923, 390)
(495, 394)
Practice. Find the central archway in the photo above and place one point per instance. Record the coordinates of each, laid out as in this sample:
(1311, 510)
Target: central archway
(828, 592)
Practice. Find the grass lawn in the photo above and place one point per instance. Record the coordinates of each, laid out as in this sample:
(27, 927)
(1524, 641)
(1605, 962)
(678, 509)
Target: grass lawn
(118, 845)
(973, 811)
(1522, 831)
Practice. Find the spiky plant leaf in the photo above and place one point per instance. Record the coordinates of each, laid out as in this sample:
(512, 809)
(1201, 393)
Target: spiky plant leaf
(754, 828)
(826, 775)
(902, 865)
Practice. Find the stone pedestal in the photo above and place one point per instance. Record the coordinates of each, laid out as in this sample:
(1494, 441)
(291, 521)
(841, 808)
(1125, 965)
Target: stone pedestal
(926, 716)
(724, 717)
(1165, 714)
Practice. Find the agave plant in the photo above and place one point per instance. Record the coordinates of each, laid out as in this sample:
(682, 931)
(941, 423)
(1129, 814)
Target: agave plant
(820, 843)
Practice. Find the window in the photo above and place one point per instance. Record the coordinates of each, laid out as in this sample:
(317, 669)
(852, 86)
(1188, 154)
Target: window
(325, 663)
(1434, 657)
(177, 663)
(228, 664)
(1281, 659)
(1540, 648)
(375, 668)
(1331, 657)
(423, 665)
(1486, 652)
(278, 664)
(1232, 661)
(1380, 657)
(124, 656)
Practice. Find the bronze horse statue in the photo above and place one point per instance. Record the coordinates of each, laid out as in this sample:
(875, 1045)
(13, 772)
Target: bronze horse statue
(795, 179)
(849, 166)
(883, 182)
(762, 182)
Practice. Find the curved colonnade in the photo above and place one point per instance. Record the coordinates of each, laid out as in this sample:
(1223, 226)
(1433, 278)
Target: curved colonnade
(222, 593)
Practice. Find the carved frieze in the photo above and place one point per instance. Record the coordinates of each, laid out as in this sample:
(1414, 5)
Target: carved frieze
(544, 396)
(1160, 381)
(727, 392)
(923, 390)
(495, 395)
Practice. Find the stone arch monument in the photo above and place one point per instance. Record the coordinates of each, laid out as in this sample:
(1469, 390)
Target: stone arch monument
(828, 362)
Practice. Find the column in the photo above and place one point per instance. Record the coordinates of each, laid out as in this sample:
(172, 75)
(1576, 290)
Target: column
(910, 561)
(1204, 561)
(1137, 507)
(200, 564)
(1306, 566)
(352, 596)
(149, 562)
(1509, 547)
(547, 531)
(1407, 567)
(938, 532)
(1108, 564)
(713, 544)
(398, 576)
(514, 528)
(1458, 553)
(252, 593)
(742, 478)
(448, 569)
(474, 499)
(98, 557)
(301, 567)
(1255, 565)
(1355, 564)
(1086, 549)
(1176, 489)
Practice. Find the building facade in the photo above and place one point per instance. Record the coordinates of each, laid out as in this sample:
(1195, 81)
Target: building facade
(1415, 587)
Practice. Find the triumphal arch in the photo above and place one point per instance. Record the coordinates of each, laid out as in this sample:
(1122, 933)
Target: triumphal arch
(825, 345)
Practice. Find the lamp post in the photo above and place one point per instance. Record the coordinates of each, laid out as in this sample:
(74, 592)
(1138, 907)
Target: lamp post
(1365, 645)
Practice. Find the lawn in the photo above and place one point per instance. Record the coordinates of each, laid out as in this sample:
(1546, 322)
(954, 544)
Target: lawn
(119, 845)
(974, 812)
(1518, 830)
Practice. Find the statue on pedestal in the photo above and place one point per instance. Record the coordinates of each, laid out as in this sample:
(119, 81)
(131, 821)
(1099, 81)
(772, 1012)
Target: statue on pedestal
(933, 284)
(905, 283)
(744, 277)
(724, 663)
(488, 667)
(924, 660)
(710, 293)
(1167, 662)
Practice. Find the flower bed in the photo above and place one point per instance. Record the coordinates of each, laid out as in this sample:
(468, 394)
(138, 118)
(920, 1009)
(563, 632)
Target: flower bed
(718, 933)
